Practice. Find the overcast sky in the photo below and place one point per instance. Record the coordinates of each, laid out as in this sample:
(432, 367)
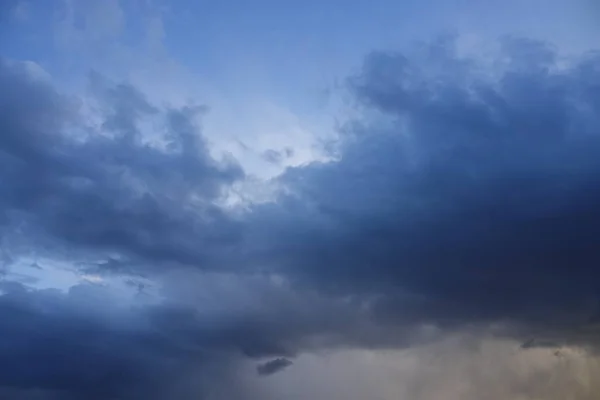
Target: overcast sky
(299, 200)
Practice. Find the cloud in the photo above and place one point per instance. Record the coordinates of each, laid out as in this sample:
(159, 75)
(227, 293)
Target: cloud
(81, 186)
(273, 366)
(106, 187)
(461, 200)
(463, 194)
(460, 366)
(78, 344)
(85, 343)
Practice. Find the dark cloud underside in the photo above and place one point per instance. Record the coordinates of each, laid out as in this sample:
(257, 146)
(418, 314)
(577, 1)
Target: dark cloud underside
(467, 197)
(463, 196)
(273, 366)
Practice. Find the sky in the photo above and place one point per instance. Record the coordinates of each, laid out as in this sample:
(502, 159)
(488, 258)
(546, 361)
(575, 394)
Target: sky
(299, 200)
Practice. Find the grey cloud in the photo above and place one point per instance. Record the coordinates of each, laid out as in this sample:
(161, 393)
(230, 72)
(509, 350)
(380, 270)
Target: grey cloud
(272, 156)
(461, 199)
(88, 344)
(464, 197)
(276, 157)
(110, 191)
(69, 190)
(83, 344)
(53, 343)
(273, 366)
(533, 343)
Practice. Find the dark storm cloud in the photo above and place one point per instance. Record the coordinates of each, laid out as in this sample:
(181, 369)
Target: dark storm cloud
(83, 344)
(460, 197)
(273, 366)
(88, 344)
(109, 191)
(67, 187)
(465, 194)
(65, 184)
(56, 343)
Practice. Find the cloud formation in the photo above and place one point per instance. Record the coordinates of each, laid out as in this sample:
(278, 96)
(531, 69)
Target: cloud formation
(108, 187)
(465, 195)
(462, 197)
(273, 366)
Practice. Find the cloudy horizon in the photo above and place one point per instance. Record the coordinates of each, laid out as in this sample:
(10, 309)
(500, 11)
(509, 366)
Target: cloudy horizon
(317, 200)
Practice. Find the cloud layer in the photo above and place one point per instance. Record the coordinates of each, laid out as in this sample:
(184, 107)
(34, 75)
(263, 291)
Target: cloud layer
(466, 195)
(463, 198)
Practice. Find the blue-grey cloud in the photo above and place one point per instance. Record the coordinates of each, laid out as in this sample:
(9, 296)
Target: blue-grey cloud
(462, 196)
(86, 344)
(466, 195)
(109, 191)
(70, 188)
(60, 343)
(273, 366)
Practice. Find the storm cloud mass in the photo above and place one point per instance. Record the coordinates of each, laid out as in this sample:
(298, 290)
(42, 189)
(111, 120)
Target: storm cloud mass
(455, 217)
(473, 192)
